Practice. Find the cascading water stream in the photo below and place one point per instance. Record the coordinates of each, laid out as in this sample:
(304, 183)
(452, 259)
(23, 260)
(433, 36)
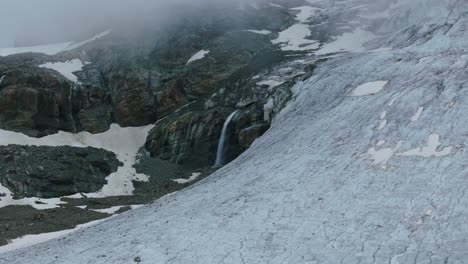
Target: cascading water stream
(222, 141)
(70, 107)
(1, 79)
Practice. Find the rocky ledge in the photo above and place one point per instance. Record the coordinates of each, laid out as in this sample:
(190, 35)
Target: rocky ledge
(46, 172)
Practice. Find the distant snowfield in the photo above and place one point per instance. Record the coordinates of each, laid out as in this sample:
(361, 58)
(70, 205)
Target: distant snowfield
(52, 49)
(124, 142)
(294, 38)
(198, 56)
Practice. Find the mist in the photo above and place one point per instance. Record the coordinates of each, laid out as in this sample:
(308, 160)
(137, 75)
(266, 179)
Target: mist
(33, 22)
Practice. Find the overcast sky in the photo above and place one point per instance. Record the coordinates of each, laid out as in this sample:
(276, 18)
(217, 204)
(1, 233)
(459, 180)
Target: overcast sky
(42, 21)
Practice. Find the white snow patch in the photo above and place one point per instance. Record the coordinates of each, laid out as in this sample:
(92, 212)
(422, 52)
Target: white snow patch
(430, 150)
(198, 56)
(270, 83)
(37, 203)
(351, 42)
(65, 68)
(369, 88)
(192, 178)
(82, 206)
(382, 156)
(261, 32)
(417, 115)
(382, 125)
(380, 143)
(383, 115)
(2, 79)
(111, 210)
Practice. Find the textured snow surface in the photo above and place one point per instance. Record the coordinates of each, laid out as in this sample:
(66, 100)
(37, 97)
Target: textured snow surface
(26, 241)
(323, 185)
(198, 56)
(124, 142)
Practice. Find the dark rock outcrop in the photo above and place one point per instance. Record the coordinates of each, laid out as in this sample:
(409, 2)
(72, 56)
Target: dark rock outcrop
(30, 171)
(248, 135)
(35, 101)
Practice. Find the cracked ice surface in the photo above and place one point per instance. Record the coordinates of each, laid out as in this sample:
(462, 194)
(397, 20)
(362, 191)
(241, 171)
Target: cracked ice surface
(306, 192)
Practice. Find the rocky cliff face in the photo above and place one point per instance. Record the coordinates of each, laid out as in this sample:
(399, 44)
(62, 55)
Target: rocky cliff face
(34, 100)
(134, 85)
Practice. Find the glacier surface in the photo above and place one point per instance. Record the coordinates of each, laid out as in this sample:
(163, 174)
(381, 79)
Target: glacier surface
(327, 183)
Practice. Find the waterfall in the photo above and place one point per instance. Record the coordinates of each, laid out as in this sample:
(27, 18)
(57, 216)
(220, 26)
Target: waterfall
(70, 107)
(222, 141)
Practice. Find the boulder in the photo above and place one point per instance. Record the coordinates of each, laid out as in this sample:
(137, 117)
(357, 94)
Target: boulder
(46, 172)
(35, 101)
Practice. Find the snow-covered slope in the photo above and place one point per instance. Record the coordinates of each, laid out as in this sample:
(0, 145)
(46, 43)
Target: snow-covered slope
(343, 176)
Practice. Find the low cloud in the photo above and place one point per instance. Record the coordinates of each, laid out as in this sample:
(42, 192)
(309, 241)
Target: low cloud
(30, 22)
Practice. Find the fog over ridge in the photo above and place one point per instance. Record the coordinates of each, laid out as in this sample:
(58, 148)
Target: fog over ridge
(32, 22)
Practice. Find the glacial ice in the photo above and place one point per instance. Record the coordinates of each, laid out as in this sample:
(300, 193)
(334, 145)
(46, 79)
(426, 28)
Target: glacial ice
(315, 188)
